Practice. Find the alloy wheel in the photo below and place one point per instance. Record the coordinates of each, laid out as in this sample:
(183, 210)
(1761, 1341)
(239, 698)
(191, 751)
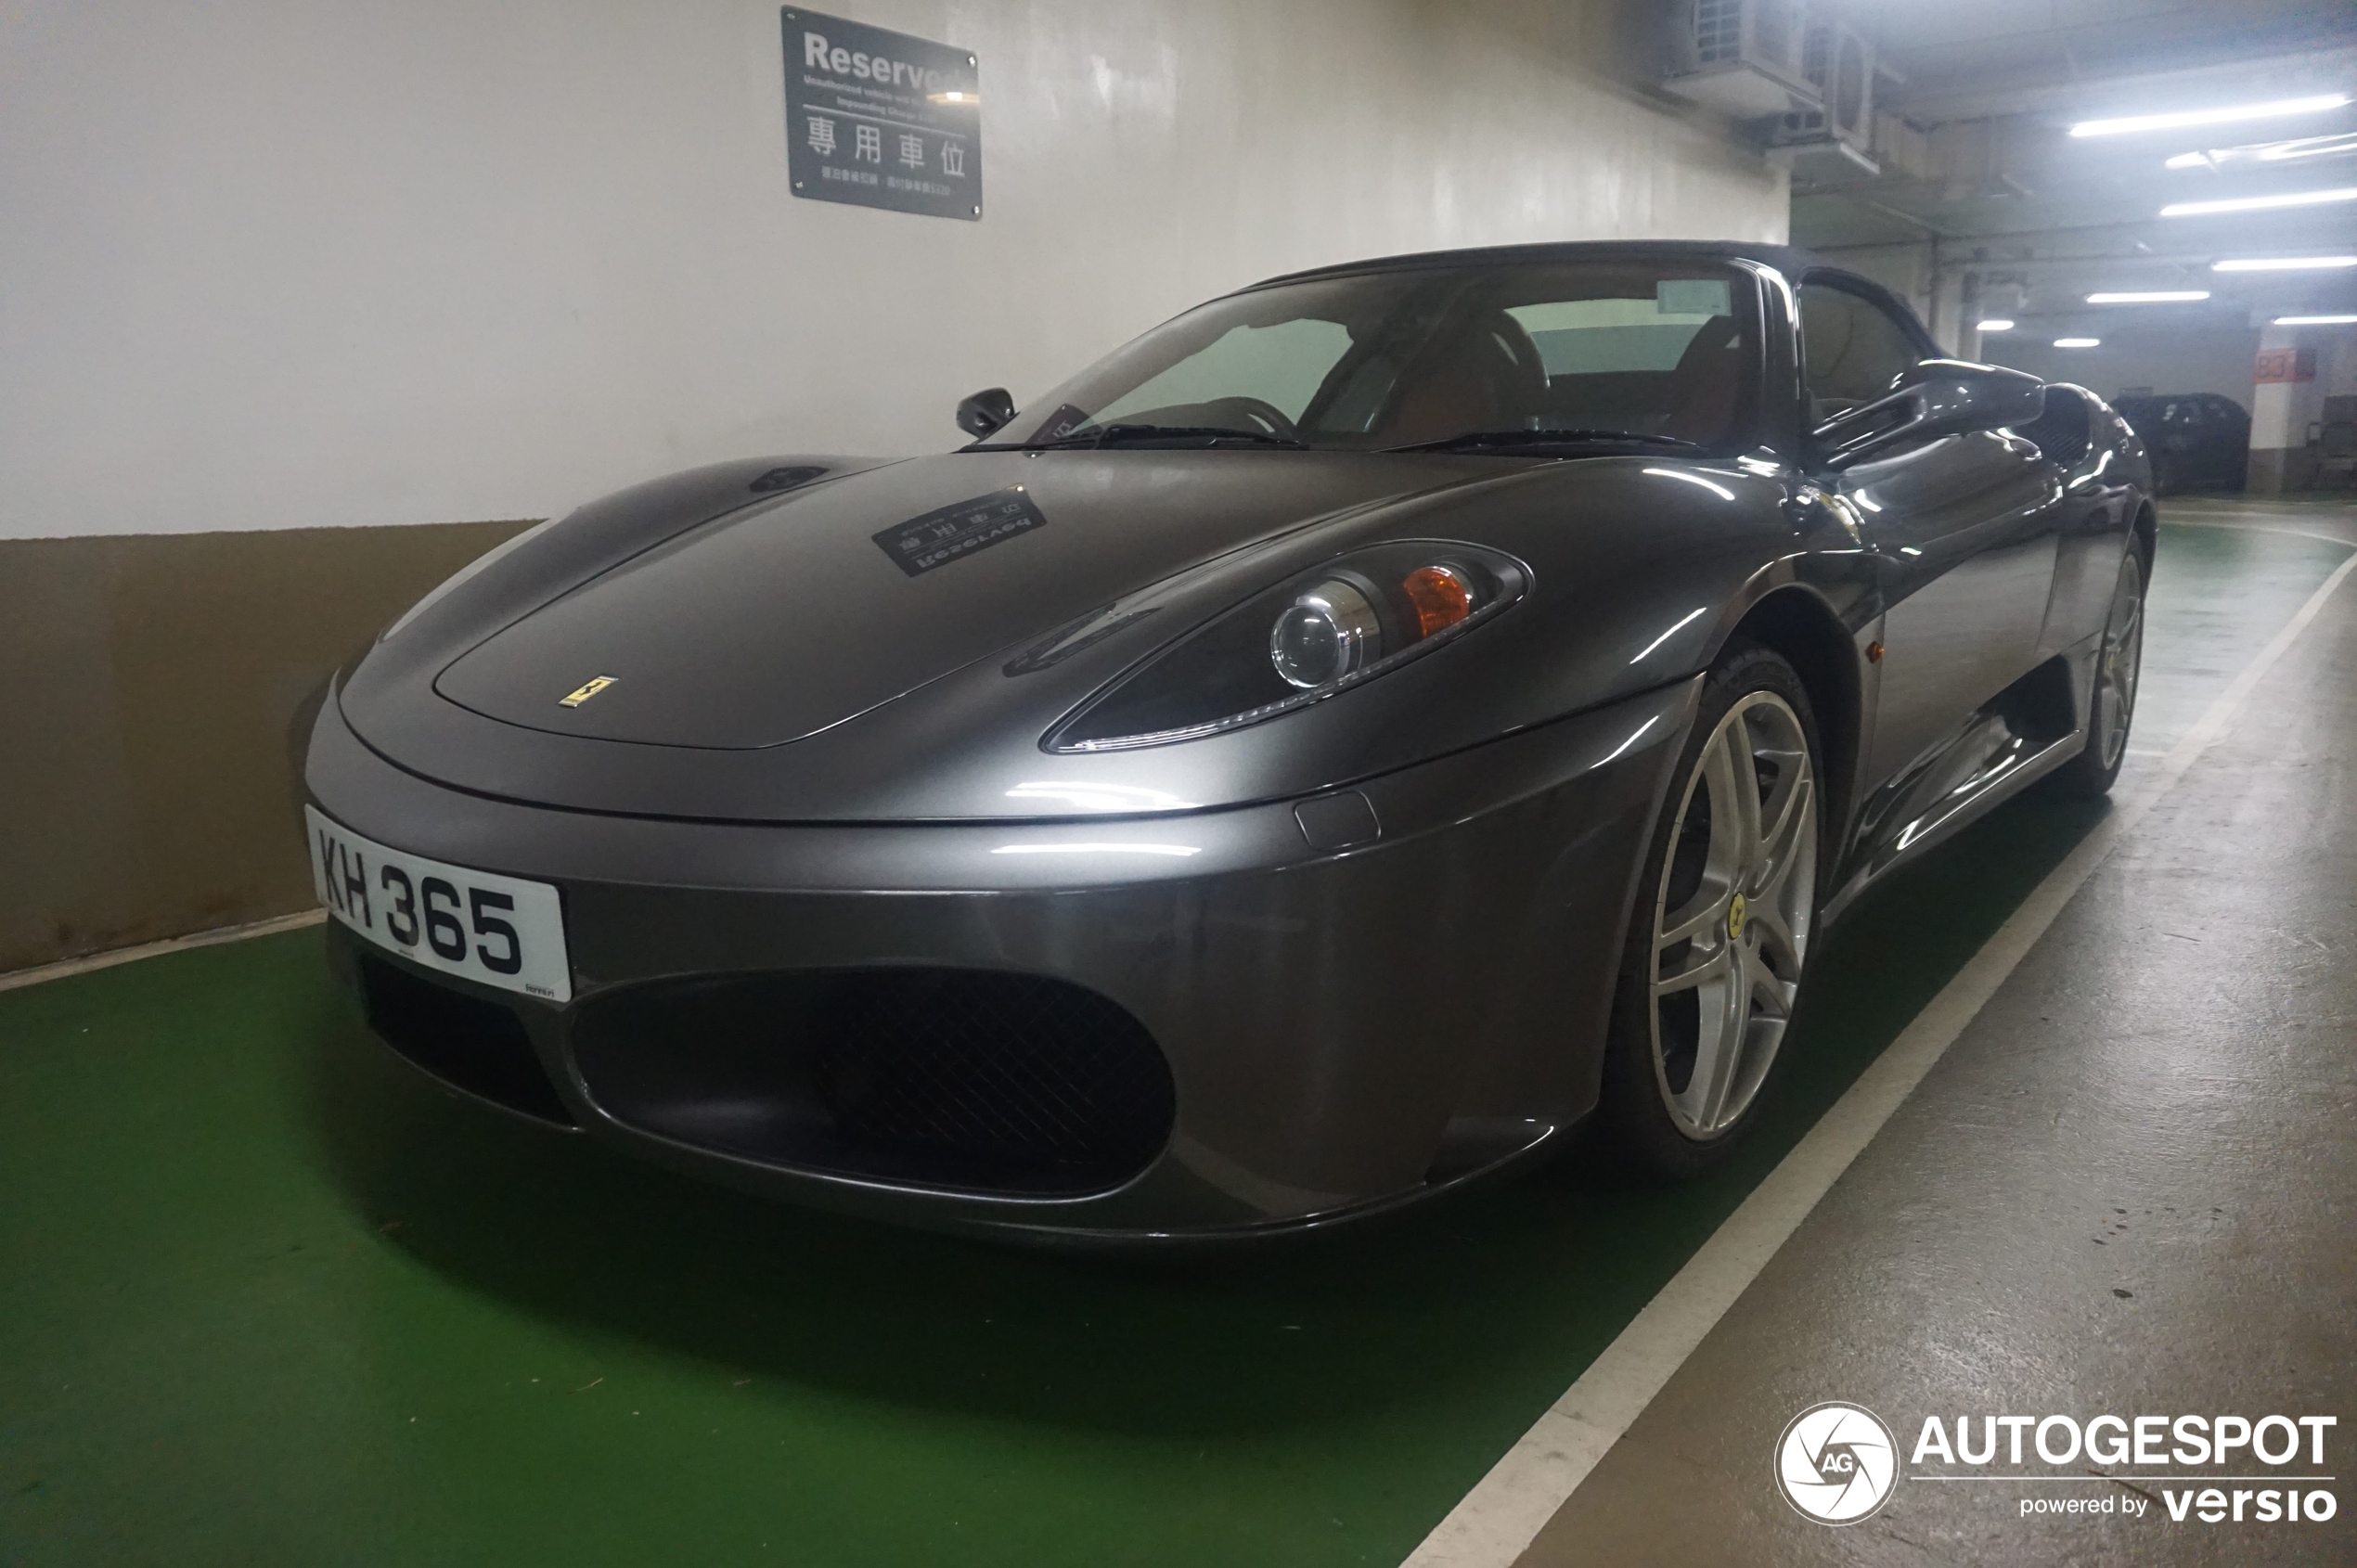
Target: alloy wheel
(1732, 913)
(2118, 665)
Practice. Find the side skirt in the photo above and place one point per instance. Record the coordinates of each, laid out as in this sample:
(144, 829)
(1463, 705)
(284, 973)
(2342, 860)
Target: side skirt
(2022, 734)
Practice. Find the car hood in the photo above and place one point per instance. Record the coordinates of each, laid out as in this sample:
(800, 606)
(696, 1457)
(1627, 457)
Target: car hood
(774, 662)
(784, 619)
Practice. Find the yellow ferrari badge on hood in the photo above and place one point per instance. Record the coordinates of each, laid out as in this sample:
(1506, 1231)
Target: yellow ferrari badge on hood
(584, 691)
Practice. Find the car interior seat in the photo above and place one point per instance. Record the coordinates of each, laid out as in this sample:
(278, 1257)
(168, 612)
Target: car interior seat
(1487, 377)
(1702, 391)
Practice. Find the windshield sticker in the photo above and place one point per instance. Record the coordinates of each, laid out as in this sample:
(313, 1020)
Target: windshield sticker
(1691, 296)
(939, 537)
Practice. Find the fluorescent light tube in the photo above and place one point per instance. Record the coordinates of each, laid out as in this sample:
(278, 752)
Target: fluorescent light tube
(2078, 342)
(2314, 320)
(2283, 263)
(2267, 152)
(2316, 105)
(1995, 324)
(2258, 204)
(2150, 297)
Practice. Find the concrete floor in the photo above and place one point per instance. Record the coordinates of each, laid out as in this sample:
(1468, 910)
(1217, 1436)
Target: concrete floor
(2127, 1188)
(264, 1298)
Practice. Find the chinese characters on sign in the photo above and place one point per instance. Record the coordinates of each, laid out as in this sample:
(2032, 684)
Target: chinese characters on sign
(880, 118)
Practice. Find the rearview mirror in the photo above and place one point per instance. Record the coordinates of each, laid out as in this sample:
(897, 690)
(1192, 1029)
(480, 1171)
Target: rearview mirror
(985, 411)
(1935, 398)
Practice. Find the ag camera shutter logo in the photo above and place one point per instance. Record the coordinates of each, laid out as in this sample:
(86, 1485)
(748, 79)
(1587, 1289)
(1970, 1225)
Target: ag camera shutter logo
(1837, 1463)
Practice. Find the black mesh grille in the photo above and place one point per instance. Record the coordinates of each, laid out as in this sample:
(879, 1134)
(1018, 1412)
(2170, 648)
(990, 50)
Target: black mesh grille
(479, 1045)
(1002, 1064)
(953, 1078)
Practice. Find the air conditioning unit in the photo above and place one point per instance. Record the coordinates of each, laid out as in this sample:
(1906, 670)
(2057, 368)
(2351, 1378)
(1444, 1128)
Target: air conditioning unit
(1829, 141)
(1839, 65)
(1744, 57)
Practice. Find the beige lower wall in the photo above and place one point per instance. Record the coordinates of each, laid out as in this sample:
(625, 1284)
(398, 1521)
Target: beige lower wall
(148, 686)
(2279, 470)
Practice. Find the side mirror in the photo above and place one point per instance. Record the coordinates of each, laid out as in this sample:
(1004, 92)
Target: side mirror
(985, 411)
(1938, 397)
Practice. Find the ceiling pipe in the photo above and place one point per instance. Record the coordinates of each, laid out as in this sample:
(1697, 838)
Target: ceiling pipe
(2267, 75)
(2000, 238)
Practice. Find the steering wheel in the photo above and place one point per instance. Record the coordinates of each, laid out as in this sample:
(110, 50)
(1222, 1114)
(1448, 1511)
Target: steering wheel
(1268, 416)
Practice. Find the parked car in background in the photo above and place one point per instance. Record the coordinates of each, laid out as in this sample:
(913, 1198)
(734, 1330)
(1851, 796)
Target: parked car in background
(2199, 441)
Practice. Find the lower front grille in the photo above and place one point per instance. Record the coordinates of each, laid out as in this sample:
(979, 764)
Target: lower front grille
(960, 1079)
(478, 1046)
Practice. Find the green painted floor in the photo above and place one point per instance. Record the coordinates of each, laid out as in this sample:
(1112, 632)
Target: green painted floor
(265, 1297)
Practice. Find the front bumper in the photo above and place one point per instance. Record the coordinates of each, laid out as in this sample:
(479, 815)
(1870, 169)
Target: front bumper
(1343, 1029)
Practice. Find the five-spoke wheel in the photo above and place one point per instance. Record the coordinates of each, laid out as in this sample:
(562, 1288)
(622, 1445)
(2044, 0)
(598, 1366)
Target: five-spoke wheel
(1732, 915)
(1720, 934)
(2111, 706)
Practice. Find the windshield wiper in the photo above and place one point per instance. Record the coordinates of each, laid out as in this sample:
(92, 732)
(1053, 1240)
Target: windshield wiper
(1121, 435)
(1476, 441)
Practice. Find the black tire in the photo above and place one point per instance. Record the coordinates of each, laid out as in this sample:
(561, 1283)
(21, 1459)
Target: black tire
(2090, 774)
(1639, 1133)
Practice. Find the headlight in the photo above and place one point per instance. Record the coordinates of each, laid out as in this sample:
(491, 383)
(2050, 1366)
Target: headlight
(1314, 636)
(1326, 634)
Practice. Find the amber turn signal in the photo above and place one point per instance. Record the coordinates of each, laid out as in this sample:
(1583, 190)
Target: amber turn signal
(1441, 598)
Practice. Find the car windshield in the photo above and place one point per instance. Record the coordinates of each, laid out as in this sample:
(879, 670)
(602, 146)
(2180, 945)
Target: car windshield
(1494, 358)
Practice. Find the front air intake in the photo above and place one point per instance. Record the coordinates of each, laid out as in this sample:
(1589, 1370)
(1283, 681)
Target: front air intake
(471, 1044)
(959, 1079)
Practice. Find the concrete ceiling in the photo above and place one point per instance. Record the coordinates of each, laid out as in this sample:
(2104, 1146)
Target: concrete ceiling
(1978, 156)
(2001, 56)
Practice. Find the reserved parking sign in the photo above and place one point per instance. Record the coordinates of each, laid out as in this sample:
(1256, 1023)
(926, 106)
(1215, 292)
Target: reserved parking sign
(880, 118)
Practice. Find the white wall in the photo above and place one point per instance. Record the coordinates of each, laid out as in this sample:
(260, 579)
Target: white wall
(268, 264)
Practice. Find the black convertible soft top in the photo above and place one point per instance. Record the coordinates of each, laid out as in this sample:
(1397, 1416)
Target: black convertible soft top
(1790, 260)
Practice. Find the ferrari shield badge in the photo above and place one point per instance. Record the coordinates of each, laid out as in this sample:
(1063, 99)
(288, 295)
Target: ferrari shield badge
(584, 691)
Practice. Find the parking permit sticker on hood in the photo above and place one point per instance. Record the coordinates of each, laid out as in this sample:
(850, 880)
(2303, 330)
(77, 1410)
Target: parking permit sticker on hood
(943, 535)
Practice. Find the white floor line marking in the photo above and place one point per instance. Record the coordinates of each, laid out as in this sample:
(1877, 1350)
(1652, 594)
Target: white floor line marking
(151, 949)
(2258, 527)
(1497, 1519)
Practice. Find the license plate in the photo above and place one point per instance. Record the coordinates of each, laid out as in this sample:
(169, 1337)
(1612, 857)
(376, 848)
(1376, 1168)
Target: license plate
(499, 931)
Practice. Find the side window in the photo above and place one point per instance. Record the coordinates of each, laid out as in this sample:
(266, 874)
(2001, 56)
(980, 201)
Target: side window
(1851, 348)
